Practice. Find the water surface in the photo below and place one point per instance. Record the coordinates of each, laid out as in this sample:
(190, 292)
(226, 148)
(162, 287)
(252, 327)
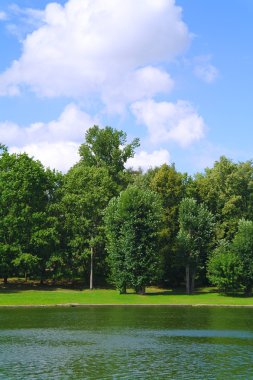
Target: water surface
(126, 343)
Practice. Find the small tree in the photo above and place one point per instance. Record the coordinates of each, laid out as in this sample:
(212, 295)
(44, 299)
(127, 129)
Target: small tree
(242, 245)
(195, 231)
(225, 269)
(26, 264)
(132, 223)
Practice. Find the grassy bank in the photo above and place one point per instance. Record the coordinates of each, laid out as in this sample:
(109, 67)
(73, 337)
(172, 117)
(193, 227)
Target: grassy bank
(11, 296)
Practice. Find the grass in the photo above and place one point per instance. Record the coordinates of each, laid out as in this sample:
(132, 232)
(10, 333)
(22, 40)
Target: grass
(46, 296)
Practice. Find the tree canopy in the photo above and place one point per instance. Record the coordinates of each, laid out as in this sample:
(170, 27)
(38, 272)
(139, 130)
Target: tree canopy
(101, 222)
(132, 226)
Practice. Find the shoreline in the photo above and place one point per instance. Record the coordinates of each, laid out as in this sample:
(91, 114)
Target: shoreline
(65, 305)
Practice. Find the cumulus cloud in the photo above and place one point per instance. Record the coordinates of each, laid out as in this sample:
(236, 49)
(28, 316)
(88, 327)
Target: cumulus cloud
(59, 155)
(55, 143)
(142, 83)
(147, 160)
(100, 47)
(204, 70)
(170, 121)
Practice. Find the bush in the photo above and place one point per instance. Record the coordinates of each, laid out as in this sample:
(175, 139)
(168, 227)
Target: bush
(225, 270)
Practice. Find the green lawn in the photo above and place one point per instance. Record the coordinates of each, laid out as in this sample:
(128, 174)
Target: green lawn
(53, 296)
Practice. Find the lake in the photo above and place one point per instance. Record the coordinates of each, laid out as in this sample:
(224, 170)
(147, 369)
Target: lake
(117, 342)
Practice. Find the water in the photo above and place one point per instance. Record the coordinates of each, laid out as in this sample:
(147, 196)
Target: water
(126, 343)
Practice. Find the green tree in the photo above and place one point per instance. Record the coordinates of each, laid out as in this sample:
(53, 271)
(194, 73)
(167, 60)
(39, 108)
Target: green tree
(227, 190)
(225, 269)
(242, 245)
(107, 147)
(26, 263)
(132, 225)
(196, 225)
(170, 185)
(86, 193)
(25, 192)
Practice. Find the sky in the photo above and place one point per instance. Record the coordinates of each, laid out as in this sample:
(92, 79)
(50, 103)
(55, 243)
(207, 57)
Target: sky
(176, 74)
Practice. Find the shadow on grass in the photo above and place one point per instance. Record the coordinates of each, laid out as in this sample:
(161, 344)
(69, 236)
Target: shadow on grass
(18, 286)
(196, 293)
(176, 291)
(23, 286)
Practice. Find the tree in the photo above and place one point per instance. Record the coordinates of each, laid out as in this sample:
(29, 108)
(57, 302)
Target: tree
(88, 187)
(86, 193)
(108, 148)
(26, 264)
(132, 225)
(225, 269)
(227, 191)
(25, 193)
(242, 245)
(195, 231)
(170, 185)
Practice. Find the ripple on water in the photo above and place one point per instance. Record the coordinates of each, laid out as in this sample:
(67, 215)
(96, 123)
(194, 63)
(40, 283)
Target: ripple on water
(125, 352)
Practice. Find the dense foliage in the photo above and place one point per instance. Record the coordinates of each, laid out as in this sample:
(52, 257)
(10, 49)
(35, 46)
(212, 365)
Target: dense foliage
(103, 224)
(132, 223)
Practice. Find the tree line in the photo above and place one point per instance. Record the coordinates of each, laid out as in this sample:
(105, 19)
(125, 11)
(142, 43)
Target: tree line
(105, 225)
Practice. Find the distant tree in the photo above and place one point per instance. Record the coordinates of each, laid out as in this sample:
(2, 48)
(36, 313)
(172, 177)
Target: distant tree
(86, 193)
(242, 245)
(196, 225)
(170, 185)
(25, 194)
(26, 264)
(107, 147)
(225, 269)
(89, 185)
(132, 225)
(227, 191)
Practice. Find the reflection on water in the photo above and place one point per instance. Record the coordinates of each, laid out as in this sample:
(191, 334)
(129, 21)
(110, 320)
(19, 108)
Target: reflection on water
(126, 343)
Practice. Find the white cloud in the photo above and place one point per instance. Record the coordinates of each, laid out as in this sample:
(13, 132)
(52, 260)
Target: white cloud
(100, 47)
(142, 83)
(204, 70)
(3, 16)
(147, 160)
(55, 143)
(59, 155)
(170, 121)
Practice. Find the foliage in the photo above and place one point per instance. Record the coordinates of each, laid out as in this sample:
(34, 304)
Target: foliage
(225, 268)
(243, 247)
(26, 264)
(107, 148)
(86, 193)
(196, 225)
(159, 229)
(132, 224)
(25, 194)
(170, 185)
(227, 190)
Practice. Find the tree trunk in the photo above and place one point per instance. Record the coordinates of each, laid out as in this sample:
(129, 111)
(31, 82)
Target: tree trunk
(91, 268)
(187, 279)
(248, 291)
(140, 290)
(192, 281)
(5, 280)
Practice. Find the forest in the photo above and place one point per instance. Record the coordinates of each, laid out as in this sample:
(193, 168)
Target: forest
(104, 225)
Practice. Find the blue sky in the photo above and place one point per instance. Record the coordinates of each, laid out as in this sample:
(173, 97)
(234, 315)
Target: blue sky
(177, 74)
